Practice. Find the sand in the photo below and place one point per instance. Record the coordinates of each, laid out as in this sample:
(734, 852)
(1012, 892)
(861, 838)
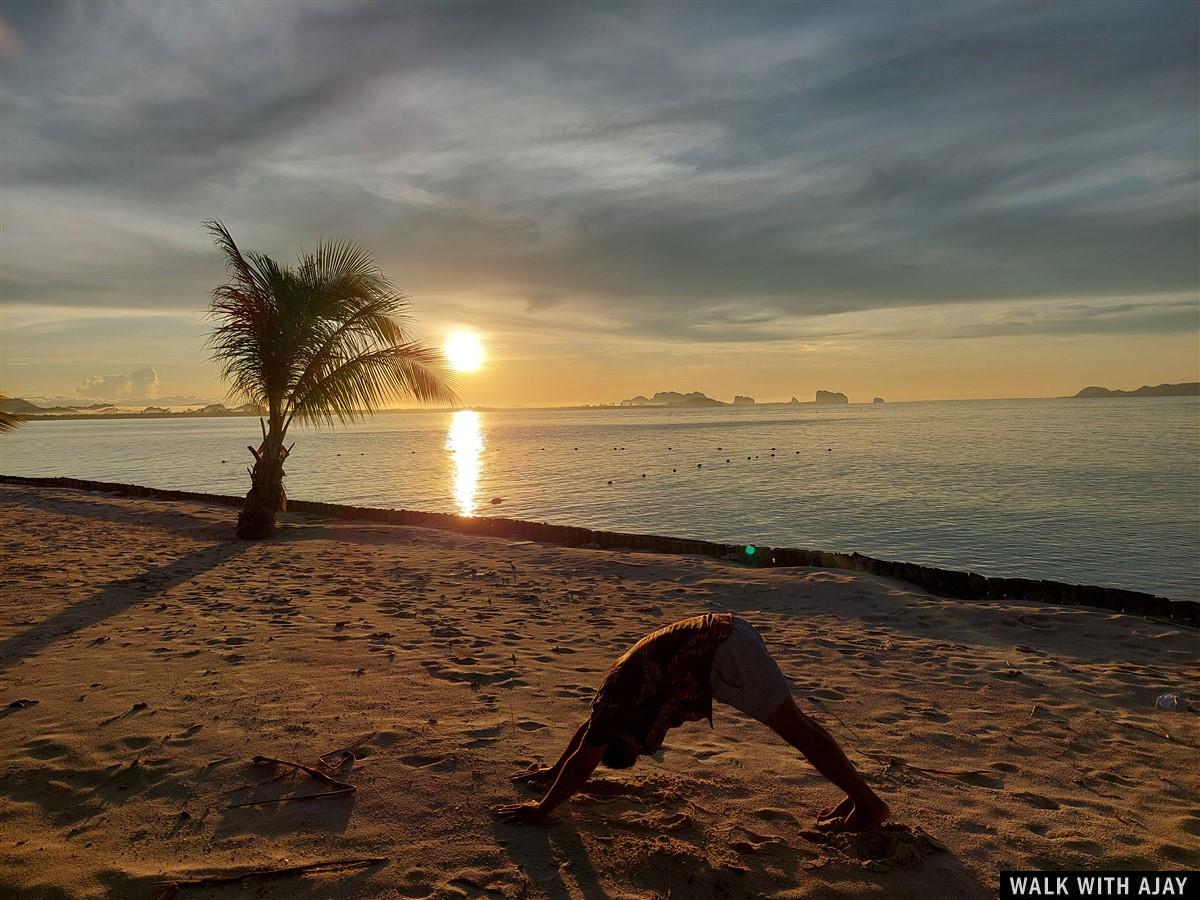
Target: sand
(161, 656)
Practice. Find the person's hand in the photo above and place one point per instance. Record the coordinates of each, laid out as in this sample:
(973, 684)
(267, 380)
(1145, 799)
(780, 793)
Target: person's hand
(521, 813)
(534, 773)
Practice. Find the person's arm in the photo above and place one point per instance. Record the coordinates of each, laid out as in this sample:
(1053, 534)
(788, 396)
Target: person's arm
(549, 773)
(575, 773)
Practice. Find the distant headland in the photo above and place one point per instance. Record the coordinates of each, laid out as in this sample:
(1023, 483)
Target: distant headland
(1187, 389)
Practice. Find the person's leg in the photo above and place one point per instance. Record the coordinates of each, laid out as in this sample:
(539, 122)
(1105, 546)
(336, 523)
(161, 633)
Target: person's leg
(863, 808)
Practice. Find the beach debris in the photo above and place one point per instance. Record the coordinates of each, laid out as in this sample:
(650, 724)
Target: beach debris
(290, 767)
(171, 888)
(496, 501)
(21, 704)
(132, 711)
(891, 762)
(344, 753)
(1171, 703)
(118, 771)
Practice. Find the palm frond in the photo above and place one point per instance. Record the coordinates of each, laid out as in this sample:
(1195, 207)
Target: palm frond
(8, 421)
(321, 342)
(363, 383)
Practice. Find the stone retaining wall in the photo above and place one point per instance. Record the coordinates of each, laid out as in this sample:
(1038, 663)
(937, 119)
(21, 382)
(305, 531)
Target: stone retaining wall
(946, 582)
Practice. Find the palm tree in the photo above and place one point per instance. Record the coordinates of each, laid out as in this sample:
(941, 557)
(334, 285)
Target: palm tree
(8, 421)
(323, 341)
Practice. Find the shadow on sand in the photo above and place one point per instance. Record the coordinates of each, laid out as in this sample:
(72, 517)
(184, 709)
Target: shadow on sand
(114, 599)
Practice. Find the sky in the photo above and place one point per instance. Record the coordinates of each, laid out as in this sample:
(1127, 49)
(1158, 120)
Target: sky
(907, 200)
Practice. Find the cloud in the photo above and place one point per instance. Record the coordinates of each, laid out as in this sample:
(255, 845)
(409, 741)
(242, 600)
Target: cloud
(655, 167)
(139, 385)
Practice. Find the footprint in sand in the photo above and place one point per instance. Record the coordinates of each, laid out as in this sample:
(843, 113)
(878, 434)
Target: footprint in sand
(481, 737)
(476, 678)
(753, 842)
(1037, 800)
(770, 814)
(981, 779)
(425, 761)
(656, 823)
(45, 748)
(892, 846)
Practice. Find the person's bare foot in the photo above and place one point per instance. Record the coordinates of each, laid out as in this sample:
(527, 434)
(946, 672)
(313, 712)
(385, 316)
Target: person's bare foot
(849, 815)
(867, 815)
(840, 811)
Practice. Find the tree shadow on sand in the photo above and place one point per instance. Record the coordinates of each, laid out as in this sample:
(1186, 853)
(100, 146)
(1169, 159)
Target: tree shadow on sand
(172, 516)
(113, 599)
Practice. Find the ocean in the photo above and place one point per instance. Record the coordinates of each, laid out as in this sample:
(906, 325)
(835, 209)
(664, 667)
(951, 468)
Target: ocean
(1100, 491)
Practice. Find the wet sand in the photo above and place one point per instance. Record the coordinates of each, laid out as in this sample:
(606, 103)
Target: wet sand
(146, 658)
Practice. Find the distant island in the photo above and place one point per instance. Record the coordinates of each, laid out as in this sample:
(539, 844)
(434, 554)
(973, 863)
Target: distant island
(23, 407)
(1187, 389)
(831, 397)
(697, 398)
(673, 398)
(32, 411)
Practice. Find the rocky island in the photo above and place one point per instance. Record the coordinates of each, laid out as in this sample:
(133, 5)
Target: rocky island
(831, 397)
(673, 398)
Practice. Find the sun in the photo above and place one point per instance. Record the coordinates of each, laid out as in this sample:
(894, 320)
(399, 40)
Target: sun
(464, 351)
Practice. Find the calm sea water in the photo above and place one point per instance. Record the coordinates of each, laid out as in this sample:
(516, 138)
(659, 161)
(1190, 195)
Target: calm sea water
(1092, 491)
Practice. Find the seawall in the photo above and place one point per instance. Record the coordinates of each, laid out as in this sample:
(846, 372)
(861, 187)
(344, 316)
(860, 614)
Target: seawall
(946, 582)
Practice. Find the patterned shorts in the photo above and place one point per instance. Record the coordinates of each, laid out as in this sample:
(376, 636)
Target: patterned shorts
(745, 675)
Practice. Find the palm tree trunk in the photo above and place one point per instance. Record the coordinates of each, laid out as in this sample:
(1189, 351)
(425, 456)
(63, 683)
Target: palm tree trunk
(266, 497)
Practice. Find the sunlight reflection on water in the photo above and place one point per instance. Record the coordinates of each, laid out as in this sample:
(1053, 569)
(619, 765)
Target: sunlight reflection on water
(464, 440)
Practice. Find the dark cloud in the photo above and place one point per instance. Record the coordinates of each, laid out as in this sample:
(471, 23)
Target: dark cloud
(693, 172)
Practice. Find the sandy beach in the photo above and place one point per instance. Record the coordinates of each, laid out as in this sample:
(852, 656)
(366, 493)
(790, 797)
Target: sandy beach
(146, 658)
